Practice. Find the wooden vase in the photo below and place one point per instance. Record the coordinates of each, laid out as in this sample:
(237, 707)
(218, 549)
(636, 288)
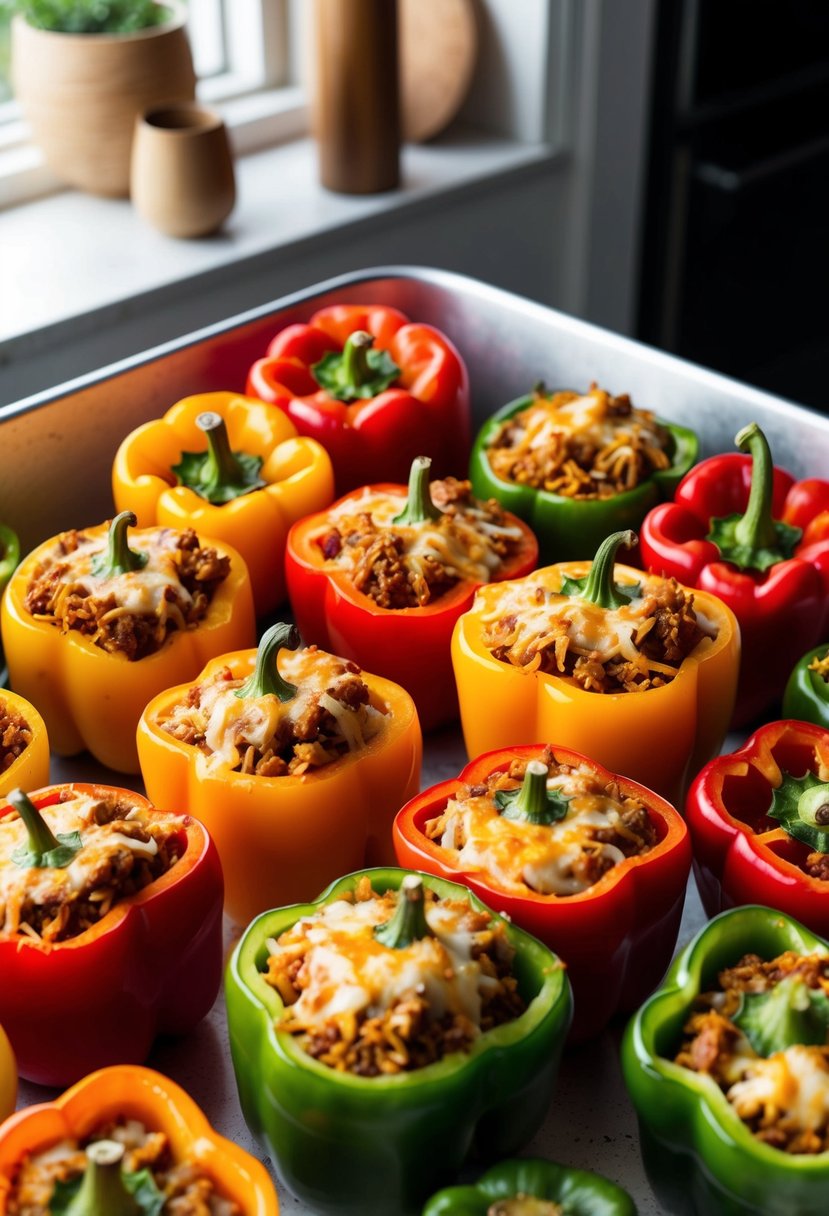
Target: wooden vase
(81, 93)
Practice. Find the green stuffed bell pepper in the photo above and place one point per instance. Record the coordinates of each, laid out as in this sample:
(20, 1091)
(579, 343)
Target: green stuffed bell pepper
(532, 1187)
(727, 1065)
(807, 692)
(420, 1024)
(577, 467)
(9, 554)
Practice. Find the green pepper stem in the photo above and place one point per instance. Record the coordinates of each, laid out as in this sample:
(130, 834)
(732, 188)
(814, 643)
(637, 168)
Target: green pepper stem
(600, 587)
(419, 508)
(102, 1191)
(356, 369)
(531, 803)
(756, 529)
(408, 924)
(266, 678)
(222, 467)
(118, 558)
(41, 837)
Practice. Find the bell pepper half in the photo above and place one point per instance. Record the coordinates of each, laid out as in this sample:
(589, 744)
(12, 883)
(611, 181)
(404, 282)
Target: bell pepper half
(283, 838)
(30, 768)
(568, 528)
(152, 965)
(745, 531)
(375, 389)
(530, 1186)
(91, 699)
(759, 823)
(231, 468)
(806, 695)
(701, 1158)
(127, 1091)
(408, 645)
(657, 737)
(367, 1146)
(8, 1076)
(617, 937)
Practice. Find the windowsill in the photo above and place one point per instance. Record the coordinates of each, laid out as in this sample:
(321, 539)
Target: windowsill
(70, 258)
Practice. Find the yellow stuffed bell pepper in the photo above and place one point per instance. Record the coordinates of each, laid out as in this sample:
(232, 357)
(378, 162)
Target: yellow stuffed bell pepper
(24, 745)
(8, 1076)
(640, 674)
(232, 468)
(296, 769)
(93, 629)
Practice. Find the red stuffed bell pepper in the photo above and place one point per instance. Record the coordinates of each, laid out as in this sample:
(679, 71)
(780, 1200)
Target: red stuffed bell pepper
(759, 823)
(382, 577)
(747, 532)
(593, 865)
(110, 928)
(374, 388)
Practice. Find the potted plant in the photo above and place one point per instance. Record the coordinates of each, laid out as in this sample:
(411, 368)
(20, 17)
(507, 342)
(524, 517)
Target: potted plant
(83, 69)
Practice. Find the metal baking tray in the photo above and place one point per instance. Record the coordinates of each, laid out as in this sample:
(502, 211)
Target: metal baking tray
(56, 450)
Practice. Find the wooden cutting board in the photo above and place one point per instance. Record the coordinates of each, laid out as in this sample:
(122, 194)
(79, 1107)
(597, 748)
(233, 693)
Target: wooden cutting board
(438, 47)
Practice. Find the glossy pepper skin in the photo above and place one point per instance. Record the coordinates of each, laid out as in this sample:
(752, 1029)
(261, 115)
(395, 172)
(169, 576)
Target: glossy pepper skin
(368, 1146)
(617, 937)
(91, 699)
(408, 645)
(424, 409)
(579, 1192)
(282, 838)
(8, 1076)
(779, 591)
(657, 737)
(569, 528)
(151, 966)
(741, 853)
(158, 1103)
(806, 695)
(31, 768)
(701, 1159)
(296, 472)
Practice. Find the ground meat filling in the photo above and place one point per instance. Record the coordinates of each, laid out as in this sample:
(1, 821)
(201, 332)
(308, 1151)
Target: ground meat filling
(123, 852)
(662, 629)
(64, 592)
(587, 447)
(600, 830)
(398, 567)
(186, 1188)
(782, 1097)
(368, 1013)
(15, 735)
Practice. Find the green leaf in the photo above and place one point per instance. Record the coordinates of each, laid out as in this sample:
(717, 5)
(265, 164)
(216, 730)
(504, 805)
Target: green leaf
(332, 374)
(747, 556)
(28, 858)
(787, 1015)
(555, 808)
(195, 470)
(801, 806)
(141, 1185)
(577, 586)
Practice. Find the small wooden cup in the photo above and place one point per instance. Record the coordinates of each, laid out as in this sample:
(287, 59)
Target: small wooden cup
(181, 177)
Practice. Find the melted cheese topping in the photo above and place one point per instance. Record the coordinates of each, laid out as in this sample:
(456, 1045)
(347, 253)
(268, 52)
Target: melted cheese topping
(542, 857)
(795, 1082)
(587, 416)
(462, 542)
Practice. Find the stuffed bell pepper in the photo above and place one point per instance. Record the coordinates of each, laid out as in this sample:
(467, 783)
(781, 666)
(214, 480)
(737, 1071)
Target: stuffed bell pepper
(592, 864)
(97, 622)
(529, 1186)
(295, 762)
(126, 1141)
(230, 468)
(579, 466)
(727, 1066)
(743, 530)
(8, 1076)
(806, 695)
(24, 746)
(759, 823)
(374, 388)
(379, 1032)
(638, 674)
(110, 927)
(383, 576)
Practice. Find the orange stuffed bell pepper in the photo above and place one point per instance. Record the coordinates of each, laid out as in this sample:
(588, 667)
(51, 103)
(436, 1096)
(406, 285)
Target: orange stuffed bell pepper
(93, 628)
(8, 1076)
(638, 674)
(24, 746)
(295, 763)
(232, 468)
(108, 1168)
